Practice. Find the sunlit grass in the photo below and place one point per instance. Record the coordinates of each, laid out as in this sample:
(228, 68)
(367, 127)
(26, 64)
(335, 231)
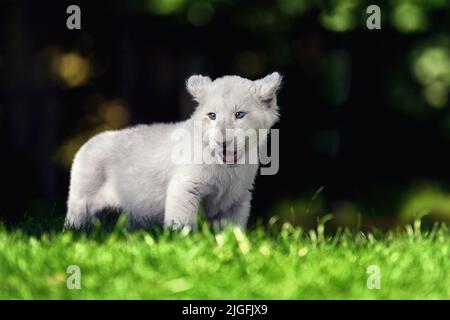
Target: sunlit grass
(274, 262)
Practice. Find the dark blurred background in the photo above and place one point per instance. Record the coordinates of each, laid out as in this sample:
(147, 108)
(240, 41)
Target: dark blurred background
(365, 125)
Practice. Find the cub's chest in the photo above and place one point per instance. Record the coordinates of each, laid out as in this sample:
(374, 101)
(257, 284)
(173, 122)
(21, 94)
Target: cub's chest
(226, 188)
(222, 198)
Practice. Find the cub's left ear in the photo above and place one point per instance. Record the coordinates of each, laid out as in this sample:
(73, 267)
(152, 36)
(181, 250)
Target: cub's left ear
(267, 87)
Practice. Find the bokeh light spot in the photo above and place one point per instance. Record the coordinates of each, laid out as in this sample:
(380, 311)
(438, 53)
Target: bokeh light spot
(115, 113)
(426, 199)
(409, 17)
(200, 13)
(436, 94)
(71, 68)
(102, 115)
(431, 67)
(250, 63)
(164, 7)
(293, 7)
(342, 16)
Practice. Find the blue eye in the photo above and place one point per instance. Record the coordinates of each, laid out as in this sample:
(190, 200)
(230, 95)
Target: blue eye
(212, 115)
(239, 114)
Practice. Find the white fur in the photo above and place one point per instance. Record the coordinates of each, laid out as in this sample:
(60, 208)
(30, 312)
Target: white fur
(131, 169)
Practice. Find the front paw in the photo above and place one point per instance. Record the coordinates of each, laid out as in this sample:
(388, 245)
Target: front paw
(178, 226)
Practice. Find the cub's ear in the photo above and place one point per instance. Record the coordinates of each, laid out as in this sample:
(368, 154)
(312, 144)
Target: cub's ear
(196, 85)
(267, 87)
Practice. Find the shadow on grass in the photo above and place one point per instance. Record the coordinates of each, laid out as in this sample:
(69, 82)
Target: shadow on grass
(107, 226)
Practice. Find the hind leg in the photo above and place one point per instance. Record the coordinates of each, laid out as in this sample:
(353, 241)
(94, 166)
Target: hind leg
(87, 192)
(82, 210)
(78, 214)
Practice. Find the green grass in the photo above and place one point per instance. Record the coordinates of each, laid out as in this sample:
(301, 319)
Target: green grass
(274, 262)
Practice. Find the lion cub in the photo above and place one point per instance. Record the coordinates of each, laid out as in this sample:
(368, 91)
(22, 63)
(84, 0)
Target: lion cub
(141, 170)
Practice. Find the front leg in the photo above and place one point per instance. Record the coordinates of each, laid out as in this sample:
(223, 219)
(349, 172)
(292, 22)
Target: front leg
(237, 214)
(182, 201)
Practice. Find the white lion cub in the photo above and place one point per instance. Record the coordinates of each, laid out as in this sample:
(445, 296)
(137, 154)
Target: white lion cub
(135, 170)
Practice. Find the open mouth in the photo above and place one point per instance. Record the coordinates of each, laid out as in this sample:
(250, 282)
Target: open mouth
(229, 157)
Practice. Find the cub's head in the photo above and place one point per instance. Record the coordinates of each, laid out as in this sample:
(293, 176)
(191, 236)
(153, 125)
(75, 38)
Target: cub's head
(230, 106)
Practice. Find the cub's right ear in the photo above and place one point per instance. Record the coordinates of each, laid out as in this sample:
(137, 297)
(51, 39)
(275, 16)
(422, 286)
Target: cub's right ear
(196, 85)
